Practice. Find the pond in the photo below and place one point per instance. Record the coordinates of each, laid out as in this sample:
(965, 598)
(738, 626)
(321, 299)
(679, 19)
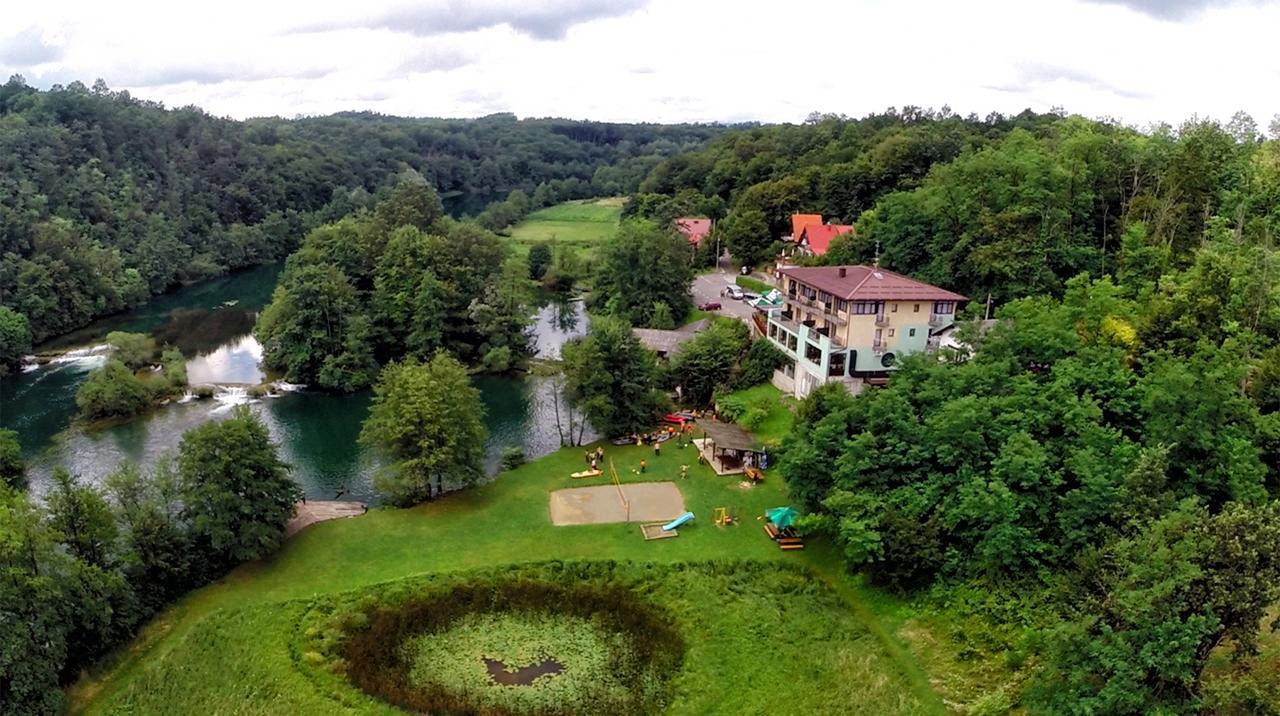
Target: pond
(316, 431)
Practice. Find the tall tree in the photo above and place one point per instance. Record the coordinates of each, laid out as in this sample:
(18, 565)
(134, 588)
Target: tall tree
(315, 331)
(236, 493)
(428, 420)
(612, 378)
(13, 468)
(641, 266)
(15, 339)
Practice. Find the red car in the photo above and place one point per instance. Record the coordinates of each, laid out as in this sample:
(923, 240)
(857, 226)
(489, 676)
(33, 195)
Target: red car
(710, 306)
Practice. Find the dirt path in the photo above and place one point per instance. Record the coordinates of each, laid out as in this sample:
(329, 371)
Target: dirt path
(309, 513)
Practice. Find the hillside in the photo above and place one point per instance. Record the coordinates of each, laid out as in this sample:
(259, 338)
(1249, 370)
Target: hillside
(110, 199)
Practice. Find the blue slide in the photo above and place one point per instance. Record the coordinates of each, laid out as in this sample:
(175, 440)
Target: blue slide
(677, 522)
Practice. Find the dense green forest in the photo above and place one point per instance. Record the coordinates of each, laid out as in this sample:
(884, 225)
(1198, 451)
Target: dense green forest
(106, 200)
(1090, 487)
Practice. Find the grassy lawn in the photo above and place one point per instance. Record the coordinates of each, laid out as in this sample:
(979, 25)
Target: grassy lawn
(753, 285)
(780, 415)
(240, 624)
(581, 225)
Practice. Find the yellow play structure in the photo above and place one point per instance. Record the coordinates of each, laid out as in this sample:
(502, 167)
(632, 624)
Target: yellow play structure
(721, 517)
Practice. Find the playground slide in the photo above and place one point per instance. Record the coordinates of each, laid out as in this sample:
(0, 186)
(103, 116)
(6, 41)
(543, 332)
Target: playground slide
(677, 522)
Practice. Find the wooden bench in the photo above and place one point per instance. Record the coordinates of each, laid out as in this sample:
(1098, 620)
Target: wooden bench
(770, 530)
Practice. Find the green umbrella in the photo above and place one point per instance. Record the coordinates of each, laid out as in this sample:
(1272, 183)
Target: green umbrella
(781, 517)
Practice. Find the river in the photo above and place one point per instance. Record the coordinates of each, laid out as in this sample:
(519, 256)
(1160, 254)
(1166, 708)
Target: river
(316, 431)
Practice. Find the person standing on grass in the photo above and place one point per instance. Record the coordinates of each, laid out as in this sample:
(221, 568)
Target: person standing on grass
(657, 448)
(642, 466)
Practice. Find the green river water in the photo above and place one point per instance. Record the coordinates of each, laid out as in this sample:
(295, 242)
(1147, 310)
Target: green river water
(316, 431)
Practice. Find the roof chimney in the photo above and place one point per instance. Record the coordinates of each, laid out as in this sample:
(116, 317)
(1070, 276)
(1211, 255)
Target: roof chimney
(843, 271)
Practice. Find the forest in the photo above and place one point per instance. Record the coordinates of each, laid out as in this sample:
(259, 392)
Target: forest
(110, 199)
(1090, 484)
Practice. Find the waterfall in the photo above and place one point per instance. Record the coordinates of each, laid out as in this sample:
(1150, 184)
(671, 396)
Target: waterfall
(90, 357)
(229, 397)
(187, 397)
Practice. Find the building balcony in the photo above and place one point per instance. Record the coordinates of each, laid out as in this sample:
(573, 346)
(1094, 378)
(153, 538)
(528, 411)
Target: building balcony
(882, 320)
(938, 319)
(879, 347)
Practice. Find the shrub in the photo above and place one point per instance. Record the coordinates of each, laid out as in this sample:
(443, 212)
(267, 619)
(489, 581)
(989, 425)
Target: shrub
(513, 457)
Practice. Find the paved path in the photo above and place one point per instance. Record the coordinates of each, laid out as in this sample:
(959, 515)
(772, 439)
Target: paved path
(707, 287)
(309, 513)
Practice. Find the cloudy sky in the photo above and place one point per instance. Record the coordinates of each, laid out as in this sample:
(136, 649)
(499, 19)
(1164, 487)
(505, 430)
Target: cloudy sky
(662, 60)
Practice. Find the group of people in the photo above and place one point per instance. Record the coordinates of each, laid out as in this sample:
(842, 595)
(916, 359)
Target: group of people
(595, 458)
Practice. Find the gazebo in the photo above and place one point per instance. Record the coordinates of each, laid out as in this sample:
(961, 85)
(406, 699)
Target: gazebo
(728, 448)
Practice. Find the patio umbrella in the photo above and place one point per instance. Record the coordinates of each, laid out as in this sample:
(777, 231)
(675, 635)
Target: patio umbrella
(781, 517)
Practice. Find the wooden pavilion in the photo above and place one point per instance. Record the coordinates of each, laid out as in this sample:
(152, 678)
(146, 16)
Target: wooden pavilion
(728, 448)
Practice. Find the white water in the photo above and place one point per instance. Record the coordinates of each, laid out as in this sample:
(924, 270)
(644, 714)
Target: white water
(187, 397)
(229, 397)
(92, 356)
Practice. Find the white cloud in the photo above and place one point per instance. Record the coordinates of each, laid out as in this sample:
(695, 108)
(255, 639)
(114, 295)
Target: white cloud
(664, 60)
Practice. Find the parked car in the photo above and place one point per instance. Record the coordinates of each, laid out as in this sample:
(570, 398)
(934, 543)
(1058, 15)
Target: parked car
(710, 306)
(732, 292)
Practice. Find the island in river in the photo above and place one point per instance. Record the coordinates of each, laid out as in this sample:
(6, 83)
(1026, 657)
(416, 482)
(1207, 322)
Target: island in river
(211, 323)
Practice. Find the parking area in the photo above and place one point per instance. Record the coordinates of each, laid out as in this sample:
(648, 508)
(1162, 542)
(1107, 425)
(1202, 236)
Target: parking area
(707, 287)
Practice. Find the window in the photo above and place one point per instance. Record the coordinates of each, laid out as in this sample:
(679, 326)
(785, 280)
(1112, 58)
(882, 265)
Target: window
(865, 308)
(894, 308)
(911, 332)
(812, 353)
(917, 308)
(824, 297)
(891, 332)
(773, 330)
(791, 342)
(944, 308)
(842, 305)
(836, 367)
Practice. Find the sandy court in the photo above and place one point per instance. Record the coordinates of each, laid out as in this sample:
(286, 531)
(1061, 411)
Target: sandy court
(599, 504)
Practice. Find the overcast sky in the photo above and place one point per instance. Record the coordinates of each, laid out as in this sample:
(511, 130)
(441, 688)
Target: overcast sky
(662, 60)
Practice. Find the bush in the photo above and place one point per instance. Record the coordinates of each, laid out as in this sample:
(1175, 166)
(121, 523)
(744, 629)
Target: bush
(763, 358)
(513, 457)
(112, 391)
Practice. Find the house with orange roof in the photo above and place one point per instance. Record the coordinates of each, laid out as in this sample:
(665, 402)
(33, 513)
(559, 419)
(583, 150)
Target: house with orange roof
(815, 239)
(694, 228)
(851, 324)
(798, 224)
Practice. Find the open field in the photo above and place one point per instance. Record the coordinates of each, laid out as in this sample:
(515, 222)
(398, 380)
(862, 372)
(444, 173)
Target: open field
(581, 225)
(231, 647)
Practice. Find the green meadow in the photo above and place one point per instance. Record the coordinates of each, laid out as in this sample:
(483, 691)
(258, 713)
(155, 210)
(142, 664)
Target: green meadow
(758, 623)
(581, 225)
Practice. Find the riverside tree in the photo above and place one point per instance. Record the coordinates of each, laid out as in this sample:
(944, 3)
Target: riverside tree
(236, 493)
(428, 420)
(13, 469)
(642, 266)
(612, 378)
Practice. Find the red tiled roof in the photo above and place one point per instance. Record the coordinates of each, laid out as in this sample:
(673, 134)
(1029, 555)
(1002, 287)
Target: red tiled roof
(818, 237)
(695, 229)
(799, 221)
(865, 283)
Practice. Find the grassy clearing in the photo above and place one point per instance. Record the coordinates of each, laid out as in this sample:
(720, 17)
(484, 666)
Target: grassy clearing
(581, 225)
(236, 628)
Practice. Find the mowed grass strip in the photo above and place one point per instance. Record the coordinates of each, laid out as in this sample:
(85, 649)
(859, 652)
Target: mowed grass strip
(580, 225)
(501, 523)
